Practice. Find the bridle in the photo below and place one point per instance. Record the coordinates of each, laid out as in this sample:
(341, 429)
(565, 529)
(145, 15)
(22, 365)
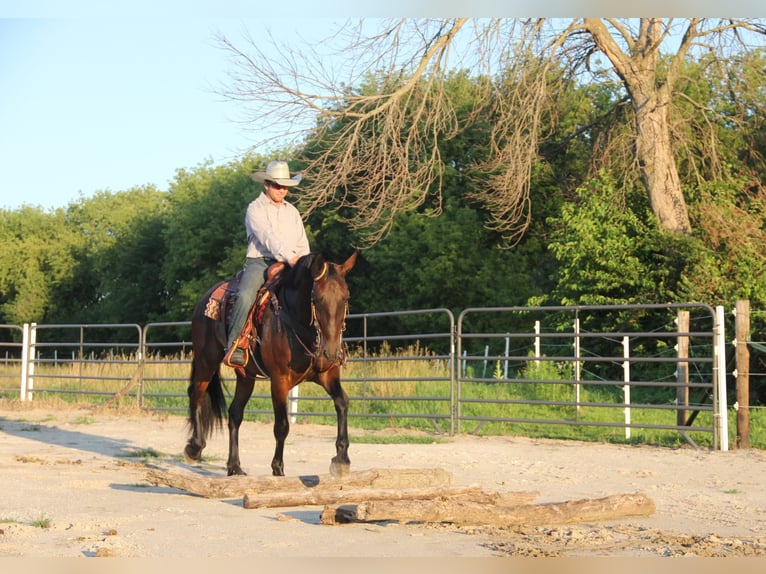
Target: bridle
(340, 359)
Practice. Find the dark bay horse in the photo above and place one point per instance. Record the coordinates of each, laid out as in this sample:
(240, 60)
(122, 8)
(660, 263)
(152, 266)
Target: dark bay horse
(299, 339)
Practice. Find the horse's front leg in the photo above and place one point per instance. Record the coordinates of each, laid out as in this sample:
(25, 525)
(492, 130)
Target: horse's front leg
(242, 394)
(279, 390)
(340, 465)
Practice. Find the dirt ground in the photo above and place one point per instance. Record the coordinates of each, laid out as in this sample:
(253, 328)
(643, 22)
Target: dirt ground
(73, 484)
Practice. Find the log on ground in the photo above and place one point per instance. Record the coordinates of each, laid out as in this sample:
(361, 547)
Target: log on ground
(314, 497)
(472, 514)
(237, 486)
(436, 509)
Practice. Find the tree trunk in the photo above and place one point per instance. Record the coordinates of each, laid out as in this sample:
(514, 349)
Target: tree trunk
(657, 164)
(650, 97)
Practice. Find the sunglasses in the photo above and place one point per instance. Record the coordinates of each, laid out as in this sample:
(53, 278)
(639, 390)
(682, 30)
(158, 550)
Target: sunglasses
(276, 185)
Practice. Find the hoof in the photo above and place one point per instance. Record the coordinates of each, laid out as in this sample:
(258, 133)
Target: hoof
(340, 469)
(236, 472)
(191, 455)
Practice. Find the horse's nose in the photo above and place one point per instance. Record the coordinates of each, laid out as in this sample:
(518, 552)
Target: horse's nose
(329, 356)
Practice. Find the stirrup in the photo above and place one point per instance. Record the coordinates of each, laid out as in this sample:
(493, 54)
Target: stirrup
(227, 358)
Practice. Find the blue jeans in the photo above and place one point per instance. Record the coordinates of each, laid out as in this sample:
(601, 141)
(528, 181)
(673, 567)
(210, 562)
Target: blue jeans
(253, 277)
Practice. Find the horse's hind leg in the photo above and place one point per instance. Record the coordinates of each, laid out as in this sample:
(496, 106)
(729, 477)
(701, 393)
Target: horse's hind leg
(242, 394)
(206, 397)
(197, 407)
(206, 404)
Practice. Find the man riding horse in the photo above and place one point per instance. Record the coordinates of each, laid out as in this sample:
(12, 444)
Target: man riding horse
(275, 233)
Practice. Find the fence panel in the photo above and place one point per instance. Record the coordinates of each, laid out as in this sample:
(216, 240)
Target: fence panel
(757, 347)
(616, 367)
(11, 347)
(393, 371)
(67, 361)
(165, 366)
(401, 366)
(757, 367)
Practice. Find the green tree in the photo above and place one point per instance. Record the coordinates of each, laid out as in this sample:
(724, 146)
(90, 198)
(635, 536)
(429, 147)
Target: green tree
(205, 232)
(726, 259)
(115, 278)
(451, 262)
(455, 260)
(611, 251)
(39, 252)
(519, 61)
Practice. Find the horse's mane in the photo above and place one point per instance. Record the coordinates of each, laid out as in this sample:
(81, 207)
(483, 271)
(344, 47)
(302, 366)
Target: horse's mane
(306, 268)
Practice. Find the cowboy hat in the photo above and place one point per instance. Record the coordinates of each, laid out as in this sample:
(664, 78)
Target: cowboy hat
(279, 173)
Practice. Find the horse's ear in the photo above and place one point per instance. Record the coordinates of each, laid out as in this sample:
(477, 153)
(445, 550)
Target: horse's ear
(318, 267)
(349, 263)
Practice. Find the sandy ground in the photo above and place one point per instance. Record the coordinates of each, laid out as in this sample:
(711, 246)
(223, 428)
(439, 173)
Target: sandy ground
(72, 484)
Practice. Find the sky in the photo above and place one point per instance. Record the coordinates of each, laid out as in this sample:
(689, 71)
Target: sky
(107, 96)
(107, 104)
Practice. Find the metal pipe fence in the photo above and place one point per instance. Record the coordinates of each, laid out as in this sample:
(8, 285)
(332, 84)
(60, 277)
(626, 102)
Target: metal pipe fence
(592, 366)
(552, 367)
(10, 358)
(401, 365)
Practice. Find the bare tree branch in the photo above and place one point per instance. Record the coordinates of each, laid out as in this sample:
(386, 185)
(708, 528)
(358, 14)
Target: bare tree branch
(382, 113)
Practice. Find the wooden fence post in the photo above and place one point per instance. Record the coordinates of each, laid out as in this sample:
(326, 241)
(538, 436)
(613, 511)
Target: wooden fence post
(682, 371)
(742, 359)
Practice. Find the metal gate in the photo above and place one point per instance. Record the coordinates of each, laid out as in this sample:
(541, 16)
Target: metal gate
(647, 367)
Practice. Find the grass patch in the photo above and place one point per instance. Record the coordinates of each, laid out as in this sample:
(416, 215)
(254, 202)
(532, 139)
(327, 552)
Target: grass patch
(144, 453)
(84, 420)
(8, 520)
(397, 439)
(41, 522)
(203, 460)
(149, 453)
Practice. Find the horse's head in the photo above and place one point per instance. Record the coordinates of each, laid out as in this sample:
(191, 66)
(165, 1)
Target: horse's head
(329, 306)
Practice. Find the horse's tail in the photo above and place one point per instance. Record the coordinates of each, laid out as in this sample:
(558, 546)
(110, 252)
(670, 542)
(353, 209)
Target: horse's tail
(217, 398)
(212, 404)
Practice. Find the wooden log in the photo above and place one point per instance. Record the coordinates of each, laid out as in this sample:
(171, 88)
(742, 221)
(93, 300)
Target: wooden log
(236, 486)
(333, 514)
(314, 497)
(471, 514)
(433, 510)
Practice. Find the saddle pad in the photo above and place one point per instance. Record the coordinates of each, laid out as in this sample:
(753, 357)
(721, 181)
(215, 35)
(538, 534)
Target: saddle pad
(217, 299)
(215, 303)
(213, 307)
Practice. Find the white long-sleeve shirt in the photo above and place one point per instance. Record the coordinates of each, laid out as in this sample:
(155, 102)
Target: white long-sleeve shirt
(274, 231)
